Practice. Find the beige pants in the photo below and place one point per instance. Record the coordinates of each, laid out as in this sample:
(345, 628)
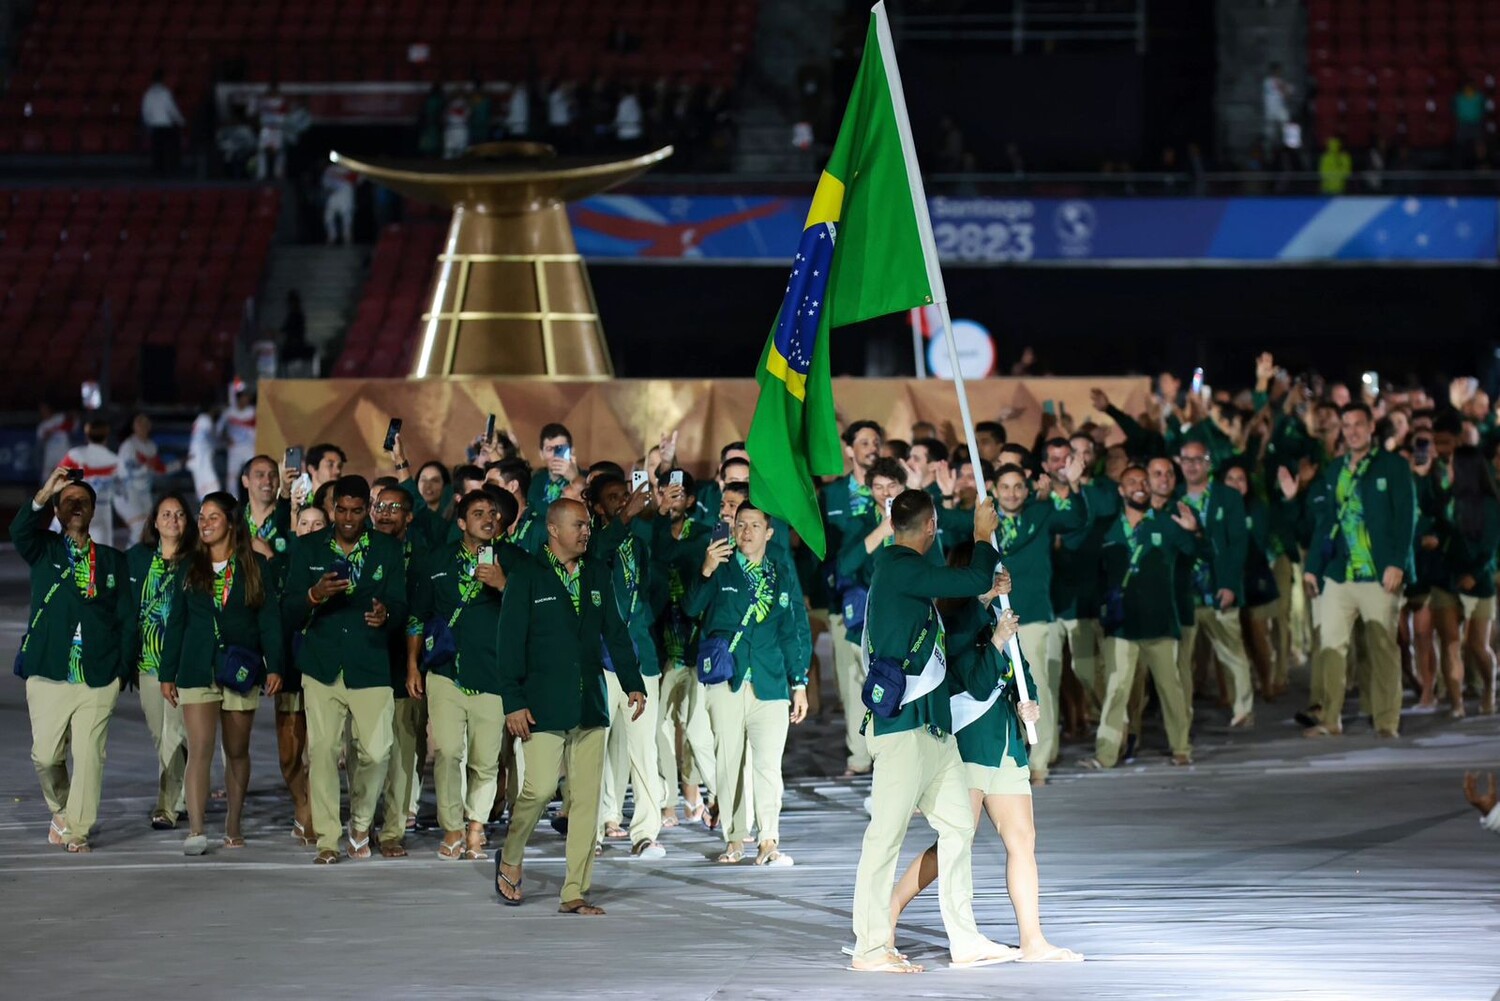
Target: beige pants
(169, 734)
(67, 716)
(1082, 637)
(850, 672)
(1040, 647)
(630, 749)
(916, 770)
(683, 708)
(1122, 660)
(543, 759)
(1339, 606)
(1221, 629)
(1288, 583)
(370, 712)
(403, 779)
(467, 731)
(741, 720)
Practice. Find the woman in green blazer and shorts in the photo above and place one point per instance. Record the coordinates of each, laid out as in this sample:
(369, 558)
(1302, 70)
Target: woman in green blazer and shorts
(227, 601)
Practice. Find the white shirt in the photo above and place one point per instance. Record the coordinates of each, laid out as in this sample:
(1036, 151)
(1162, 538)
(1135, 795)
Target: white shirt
(159, 108)
(201, 440)
(52, 441)
(138, 464)
(1273, 98)
(518, 112)
(237, 428)
(628, 118)
(100, 470)
(559, 108)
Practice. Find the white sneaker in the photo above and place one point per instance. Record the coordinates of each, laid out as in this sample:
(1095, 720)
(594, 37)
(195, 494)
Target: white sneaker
(649, 850)
(196, 844)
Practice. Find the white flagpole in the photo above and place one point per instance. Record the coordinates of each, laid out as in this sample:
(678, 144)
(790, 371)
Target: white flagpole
(940, 297)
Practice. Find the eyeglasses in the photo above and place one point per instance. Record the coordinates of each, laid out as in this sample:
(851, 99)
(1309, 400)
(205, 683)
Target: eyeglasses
(389, 508)
(1193, 459)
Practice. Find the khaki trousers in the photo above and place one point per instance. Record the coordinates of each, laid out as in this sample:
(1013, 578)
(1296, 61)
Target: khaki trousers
(850, 672)
(1339, 606)
(467, 731)
(630, 749)
(916, 770)
(1122, 660)
(684, 709)
(1288, 583)
(741, 720)
(1082, 637)
(370, 713)
(1222, 629)
(543, 759)
(76, 716)
(169, 734)
(1042, 651)
(403, 779)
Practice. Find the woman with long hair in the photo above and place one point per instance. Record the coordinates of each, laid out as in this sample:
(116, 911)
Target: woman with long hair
(987, 722)
(291, 711)
(225, 616)
(155, 564)
(1463, 602)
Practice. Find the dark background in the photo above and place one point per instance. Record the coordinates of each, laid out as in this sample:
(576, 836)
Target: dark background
(1427, 323)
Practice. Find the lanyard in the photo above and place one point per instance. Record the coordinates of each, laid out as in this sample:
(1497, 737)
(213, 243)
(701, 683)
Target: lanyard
(570, 581)
(1137, 548)
(1347, 490)
(225, 582)
(89, 585)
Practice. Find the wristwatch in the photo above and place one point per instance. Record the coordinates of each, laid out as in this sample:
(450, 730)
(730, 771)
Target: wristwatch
(402, 465)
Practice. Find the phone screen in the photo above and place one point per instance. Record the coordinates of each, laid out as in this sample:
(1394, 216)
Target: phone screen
(489, 428)
(676, 478)
(638, 479)
(486, 555)
(720, 533)
(391, 431)
(293, 457)
(75, 476)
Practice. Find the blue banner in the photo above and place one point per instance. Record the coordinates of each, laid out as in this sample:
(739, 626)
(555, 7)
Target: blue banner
(764, 229)
(18, 456)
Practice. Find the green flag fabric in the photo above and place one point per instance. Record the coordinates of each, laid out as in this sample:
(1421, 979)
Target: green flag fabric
(865, 251)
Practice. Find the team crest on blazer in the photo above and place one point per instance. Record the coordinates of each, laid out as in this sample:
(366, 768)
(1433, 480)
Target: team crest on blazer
(279, 545)
(595, 598)
(379, 573)
(1156, 538)
(785, 599)
(109, 582)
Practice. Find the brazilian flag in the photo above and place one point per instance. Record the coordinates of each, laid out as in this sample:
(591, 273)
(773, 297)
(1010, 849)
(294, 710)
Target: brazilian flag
(866, 251)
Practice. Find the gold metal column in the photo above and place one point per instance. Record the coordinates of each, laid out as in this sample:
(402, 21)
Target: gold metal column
(510, 293)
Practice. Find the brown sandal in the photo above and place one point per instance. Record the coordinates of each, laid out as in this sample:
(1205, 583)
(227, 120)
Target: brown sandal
(233, 842)
(392, 849)
(582, 907)
(79, 848)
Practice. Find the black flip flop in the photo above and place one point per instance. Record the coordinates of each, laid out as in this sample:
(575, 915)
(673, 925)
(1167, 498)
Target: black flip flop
(501, 878)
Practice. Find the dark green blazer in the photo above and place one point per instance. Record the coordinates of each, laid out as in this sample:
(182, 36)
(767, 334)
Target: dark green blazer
(976, 667)
(336, 639)
(774, 653)
(856, 564)
(190, 650)
(607, 543)
(107, 621)
(1150, 597)
(434, 581)
(1473, 557)
(1029, 556)
(1222, 542)
(551, 657)
(1387, 494)
(279, 534)
(902, 590)
(138, 558)
(1075, 562)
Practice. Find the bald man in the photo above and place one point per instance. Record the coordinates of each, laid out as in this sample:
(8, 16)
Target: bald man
(557, 610)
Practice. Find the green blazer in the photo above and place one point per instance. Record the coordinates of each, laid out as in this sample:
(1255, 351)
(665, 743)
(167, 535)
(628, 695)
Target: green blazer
(277, 529)
(138, 558)
(976, 667)
(336, 640)
(530, 531)
(1463, 556)
(1387, 494)
(552, 656)
(608, 544)
(191, 648)
(774, 653)
(1260, 576)
(107, 621)
(856, 564)
(901, 595)
(1149, 598)
(434, 580)
(1075, 562)
(1028, 556)
(1222, 543)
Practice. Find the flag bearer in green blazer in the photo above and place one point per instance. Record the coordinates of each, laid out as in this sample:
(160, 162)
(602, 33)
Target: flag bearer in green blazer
(155, 564)
(226, 599)
(458, 588)
(1028, 528)
(987, 720)
(1139, 563)
(78, 649)
(346, 587)
(1364, 522)
(558, 616)
(754, 601)
(917, 764)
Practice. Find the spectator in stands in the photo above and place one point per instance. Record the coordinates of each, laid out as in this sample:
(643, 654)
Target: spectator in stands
(237, 147)
(1275, 113)
(1334, 168)
(1468, 119)
(561, 110)
(338, 208)
(481, 113)
(430, 122)
(294, 345)
(629, 121)
(160, 115)
(456, 126)
(518, 112)
(53, 433)
(100, 466)
(236, 428)
(271, 112)
(1375, 157)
